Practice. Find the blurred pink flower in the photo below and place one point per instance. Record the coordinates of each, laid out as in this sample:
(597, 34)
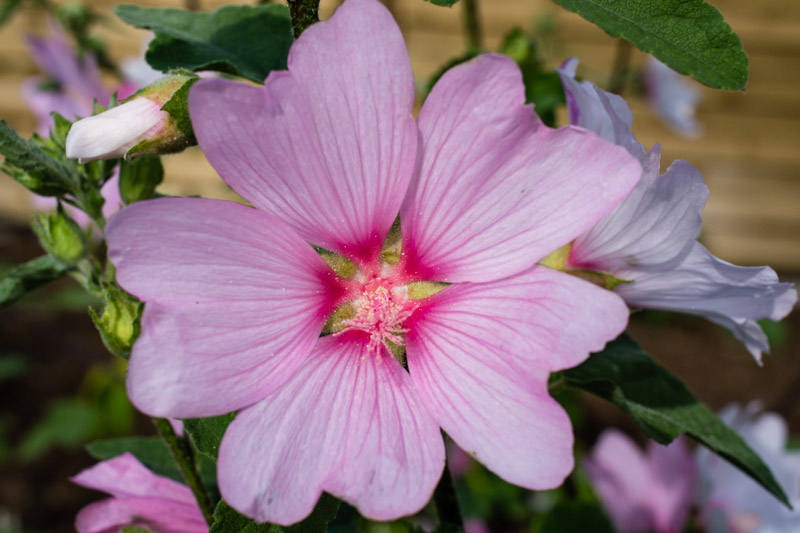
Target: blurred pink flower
(140, 498)
(650, 239)
(328, 153)
(642, 491)
(730, 501)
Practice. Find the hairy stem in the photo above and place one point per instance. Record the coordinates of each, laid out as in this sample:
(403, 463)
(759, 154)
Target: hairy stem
(472, 25)
(304, 13)
(182, 453)
(447, 502)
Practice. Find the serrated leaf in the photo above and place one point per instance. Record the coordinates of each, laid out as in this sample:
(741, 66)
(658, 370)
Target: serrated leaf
(29, 276)
(206, 433)
(248, 41)
(151, 452)
(444, 3)
(688, 35)
(32, 167)
(228, 520)
(662, 405)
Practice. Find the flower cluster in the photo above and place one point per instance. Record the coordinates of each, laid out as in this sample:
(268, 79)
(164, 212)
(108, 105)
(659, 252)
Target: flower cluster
(441, 321)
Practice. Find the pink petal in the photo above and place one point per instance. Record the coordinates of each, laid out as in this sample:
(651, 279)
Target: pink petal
(674, 484)
(622, 479)
(328, 146)
(153, 514)
(124, 476)
(480, 356)
(732, 296)
(235, 300)
(349, 424)
(653, 224)
(673, 97)
(498, 190)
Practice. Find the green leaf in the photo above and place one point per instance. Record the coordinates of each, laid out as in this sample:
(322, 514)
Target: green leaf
(249, 41)
(227, 520)
(32, 167)
(576, 516)
(662, 405)
(207, 433)
(66, 424)
(444, 3)
(12, 366)
(151, 452)
(138, 178)
(8, 8)
(688, 35)
(29, 276)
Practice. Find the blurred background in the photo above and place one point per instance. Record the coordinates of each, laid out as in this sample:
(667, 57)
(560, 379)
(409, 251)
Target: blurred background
(59, 387)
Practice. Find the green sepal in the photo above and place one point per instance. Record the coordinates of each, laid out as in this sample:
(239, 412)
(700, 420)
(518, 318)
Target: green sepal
(60, 236)
(138, 178)
(119, 323)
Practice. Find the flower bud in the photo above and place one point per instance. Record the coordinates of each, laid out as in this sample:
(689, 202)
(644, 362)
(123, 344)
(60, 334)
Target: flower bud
(60, 236)
(154, 120)
(118, 323)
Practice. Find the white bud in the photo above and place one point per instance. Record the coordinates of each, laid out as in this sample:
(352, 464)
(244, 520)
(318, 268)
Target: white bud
(112, 133)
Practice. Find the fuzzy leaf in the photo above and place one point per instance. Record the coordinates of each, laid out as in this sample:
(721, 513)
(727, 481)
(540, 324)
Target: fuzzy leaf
(662, 405)
(29, 276)
(207, 433)
(248, 41)
(227, 520)
(688, 35)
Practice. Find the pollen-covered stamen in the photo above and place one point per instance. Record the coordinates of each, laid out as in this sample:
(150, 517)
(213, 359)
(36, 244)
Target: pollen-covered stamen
(380, 312)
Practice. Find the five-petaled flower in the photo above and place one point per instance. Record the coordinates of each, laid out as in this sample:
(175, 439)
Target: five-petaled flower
(329, 154)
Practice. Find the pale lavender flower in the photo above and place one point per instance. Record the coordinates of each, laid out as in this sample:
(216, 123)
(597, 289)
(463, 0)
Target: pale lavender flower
(672, 97)
(649, 240)
(731, 501)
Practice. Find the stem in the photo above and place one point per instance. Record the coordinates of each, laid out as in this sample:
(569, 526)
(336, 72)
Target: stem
(472, 25)
(622, 63)
(182, 454)
(304, 13)
(447, 502)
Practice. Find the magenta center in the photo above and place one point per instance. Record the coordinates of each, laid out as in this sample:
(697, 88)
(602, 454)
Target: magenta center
(380, 311)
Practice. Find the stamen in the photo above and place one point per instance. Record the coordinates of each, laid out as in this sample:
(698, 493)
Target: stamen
(381, 314)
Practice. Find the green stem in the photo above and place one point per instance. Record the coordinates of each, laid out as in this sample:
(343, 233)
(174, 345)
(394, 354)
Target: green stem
(304, 13)
(183, 456)
(622, 63)
(472, 25)
(447, 502)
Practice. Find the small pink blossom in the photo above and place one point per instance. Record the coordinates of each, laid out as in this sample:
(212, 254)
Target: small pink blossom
(650, 239)
(139, 498)
(329, 153)
(643, 491)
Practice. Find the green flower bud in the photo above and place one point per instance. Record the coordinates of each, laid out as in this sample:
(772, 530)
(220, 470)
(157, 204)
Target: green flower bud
(119, 322)
(60, 236)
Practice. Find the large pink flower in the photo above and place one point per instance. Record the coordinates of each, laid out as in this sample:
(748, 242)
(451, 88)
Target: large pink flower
(139, 498)
(329, 154)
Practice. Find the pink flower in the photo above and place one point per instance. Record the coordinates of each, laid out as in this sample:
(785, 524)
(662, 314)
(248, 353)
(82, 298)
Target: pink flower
(139, 498)
(649, 491)
(329, 154)
(730, 501)
(650, 241)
